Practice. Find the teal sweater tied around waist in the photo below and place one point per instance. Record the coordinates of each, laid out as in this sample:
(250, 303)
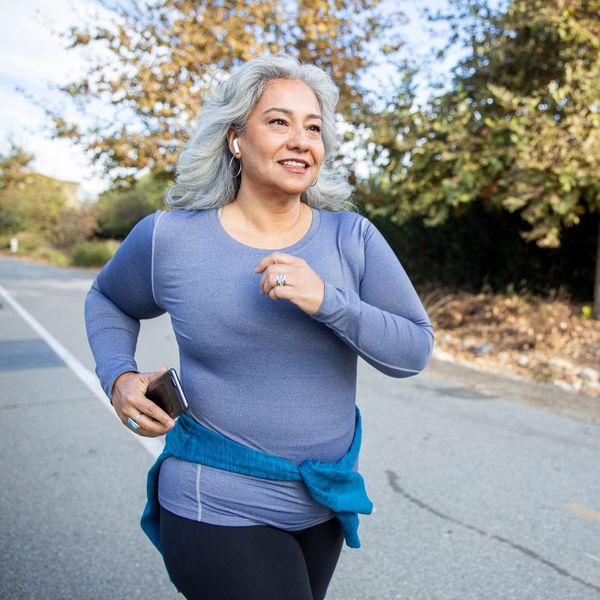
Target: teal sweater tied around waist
(333, 484)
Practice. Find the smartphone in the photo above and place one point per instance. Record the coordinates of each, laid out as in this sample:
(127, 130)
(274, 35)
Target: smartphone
(166, 392)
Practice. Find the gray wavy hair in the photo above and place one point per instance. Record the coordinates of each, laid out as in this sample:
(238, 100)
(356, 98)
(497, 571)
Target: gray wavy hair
(204, 177)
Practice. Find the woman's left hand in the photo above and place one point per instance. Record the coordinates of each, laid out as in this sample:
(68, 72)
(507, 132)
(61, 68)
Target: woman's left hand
(302, 285)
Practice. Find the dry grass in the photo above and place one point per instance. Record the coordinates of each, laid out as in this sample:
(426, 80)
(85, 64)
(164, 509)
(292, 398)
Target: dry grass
(544, 339)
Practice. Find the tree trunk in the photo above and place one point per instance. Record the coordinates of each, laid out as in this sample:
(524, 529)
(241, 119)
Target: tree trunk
(596, 309)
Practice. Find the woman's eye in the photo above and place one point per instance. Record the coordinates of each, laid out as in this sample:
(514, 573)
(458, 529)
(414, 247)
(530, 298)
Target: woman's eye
(278, 122)
(315, 128)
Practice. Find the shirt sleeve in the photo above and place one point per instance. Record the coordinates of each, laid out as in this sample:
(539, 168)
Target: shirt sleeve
(385, 323)
(120, 296)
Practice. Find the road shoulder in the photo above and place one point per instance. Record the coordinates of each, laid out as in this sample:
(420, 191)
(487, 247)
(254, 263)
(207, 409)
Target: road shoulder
(572, 404)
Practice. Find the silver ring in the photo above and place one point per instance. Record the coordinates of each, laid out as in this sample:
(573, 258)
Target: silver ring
(138, 416)
(281, 279)
(132, 423)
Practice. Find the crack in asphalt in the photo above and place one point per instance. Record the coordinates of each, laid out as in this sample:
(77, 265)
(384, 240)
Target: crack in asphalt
(394, 482)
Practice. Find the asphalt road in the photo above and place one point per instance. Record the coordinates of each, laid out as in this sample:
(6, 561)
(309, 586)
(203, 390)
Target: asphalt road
(477, 497)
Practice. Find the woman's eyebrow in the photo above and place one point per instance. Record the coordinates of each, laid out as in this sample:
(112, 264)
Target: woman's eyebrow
(289, 112)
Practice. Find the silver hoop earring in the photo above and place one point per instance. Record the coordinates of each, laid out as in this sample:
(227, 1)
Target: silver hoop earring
(231, 161)
(314, 182)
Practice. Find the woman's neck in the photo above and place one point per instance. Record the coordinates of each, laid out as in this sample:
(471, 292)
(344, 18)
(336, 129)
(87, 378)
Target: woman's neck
(266, 217)
(266, 224)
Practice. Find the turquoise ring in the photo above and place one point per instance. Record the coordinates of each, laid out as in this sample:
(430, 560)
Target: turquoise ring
(132, 423)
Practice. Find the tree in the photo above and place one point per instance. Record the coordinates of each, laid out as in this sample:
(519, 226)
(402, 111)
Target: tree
(29, 201)
(119, 209)
(519, 129)
(14, 166)
(160, 55)
(39, 204)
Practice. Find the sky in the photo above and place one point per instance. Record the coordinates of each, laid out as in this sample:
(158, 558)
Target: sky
(33, 60)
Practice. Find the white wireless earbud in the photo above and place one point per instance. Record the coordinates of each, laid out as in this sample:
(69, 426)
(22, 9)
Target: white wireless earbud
(236, 146)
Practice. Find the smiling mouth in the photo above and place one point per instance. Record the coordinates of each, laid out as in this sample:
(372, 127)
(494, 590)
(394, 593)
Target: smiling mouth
(294, 164)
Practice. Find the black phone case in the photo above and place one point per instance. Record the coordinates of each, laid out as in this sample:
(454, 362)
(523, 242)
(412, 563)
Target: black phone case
(166, 392)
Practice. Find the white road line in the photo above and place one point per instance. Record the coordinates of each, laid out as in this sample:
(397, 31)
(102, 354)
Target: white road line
(153, 445)
(592, 557)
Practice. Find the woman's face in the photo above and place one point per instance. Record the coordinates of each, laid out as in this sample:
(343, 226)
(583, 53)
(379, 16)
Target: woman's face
(281, 147)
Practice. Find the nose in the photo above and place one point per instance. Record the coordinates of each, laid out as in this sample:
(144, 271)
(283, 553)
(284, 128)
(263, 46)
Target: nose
(298, 140)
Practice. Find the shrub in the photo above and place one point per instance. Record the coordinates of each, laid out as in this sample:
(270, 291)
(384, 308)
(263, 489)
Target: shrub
(119, 209)
(93, 253)
(29, 241)
(51, 255)
(72, 226)
(482, 250)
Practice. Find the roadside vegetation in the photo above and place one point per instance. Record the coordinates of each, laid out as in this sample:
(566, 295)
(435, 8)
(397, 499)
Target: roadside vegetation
(46, 221)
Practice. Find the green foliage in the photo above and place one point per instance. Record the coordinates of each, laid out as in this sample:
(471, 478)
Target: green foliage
(34, 245)
(51, 255)
(28, 201)
(519, 130)
(29, 241)
(13, 167)
(39, 208)
(482, 250)
(93, 253)
(40, 213)
(120, 208)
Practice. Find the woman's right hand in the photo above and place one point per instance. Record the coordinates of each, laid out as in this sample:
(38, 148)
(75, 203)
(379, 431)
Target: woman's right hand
(130, 402)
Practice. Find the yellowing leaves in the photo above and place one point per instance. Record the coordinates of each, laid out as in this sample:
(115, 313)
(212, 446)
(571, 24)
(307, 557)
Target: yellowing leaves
(163, 54)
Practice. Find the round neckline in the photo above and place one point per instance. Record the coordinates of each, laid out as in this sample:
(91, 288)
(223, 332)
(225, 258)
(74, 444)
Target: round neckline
(312, 230)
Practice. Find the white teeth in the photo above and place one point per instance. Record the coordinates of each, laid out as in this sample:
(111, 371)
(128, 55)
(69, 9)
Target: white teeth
(293, 163)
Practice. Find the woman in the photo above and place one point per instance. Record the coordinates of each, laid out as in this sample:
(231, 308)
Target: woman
(273, 289)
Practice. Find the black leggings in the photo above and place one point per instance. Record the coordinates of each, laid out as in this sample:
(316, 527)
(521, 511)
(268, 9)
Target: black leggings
(257, 562)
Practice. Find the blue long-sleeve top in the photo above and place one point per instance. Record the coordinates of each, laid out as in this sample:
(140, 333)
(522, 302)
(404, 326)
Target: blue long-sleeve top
(261, 372)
